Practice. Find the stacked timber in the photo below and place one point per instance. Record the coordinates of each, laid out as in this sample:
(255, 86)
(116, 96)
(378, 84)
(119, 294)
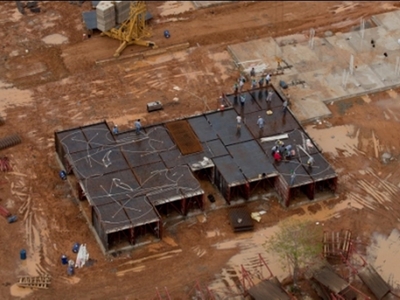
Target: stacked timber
(105, 13)
(122, 9)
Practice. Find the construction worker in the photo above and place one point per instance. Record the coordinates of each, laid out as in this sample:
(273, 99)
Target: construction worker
(277, 156)
(285, 105)
(267, 79)
(115, 129)
(252, 73)
(253, 84)
(270, 94)
(260, 122)
(242, 100)
(238, 122)
(241, 83)
(261, 82)
(138, 126)
(236, 88)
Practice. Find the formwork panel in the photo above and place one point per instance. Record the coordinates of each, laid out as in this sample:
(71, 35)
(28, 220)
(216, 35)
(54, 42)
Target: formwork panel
(321, 169)
(140, 211)
(202, 128)
(252, 160)
(296, 137)
(184, 137)
(160, 140)
(196, 157)
(139, 153)
(228, 169)
(172, 158)
(113, 217)
(261, 96)
(145, 173)
(73, 141)
(215, 148)
(97, 162)
(224, 125)
(98, 135)
(277, 123)
(165, 196)
(249, 106)
(104, 189)
(293, 173)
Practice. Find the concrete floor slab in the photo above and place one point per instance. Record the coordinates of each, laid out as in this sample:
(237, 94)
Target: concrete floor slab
(202, 4)
(324, 64)
(263, 49)
(390, 20)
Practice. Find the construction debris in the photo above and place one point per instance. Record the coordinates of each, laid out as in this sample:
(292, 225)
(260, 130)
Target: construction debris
(5, 165)
(10, 141)
(40, 282)
(6, 214)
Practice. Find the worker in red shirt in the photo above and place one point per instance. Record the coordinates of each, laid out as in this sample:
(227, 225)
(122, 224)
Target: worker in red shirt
(277, 156)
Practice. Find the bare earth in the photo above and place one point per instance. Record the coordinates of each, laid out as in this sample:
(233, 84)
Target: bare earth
(49, 81)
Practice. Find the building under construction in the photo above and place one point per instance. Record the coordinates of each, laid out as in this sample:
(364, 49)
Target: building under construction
(131, 180)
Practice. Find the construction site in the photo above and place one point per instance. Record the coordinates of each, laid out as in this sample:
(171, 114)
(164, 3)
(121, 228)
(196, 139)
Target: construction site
(139, 148)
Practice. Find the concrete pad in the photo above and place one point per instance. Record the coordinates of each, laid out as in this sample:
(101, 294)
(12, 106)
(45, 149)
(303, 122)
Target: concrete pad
(390, 20)
(202, 4)
(324, 64)
(263, 49)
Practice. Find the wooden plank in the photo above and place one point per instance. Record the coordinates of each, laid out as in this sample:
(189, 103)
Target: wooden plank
(274, 138)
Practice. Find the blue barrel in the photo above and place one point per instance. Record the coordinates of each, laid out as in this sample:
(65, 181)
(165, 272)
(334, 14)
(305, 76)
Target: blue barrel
(70, 270)
(75, 248)
(63, 175)
(64, 259)
(22, 254)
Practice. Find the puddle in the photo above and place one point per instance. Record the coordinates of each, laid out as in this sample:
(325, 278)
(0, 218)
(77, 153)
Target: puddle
(175, 7)
(383, 254)
(334, 138)
(19, 292)
(55, 39)
(10, 96)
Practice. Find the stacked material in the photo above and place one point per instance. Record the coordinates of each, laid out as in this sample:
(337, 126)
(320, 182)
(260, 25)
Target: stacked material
(122, 9)
(105, 13)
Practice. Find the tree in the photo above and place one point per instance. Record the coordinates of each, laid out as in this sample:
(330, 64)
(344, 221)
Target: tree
(297, 243)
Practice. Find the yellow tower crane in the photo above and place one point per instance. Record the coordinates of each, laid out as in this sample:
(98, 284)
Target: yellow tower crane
(133, 30)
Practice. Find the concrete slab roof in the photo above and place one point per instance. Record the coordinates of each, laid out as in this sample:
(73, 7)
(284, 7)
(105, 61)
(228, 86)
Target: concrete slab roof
(251, 160)
(97, 162)
(203, 128)
(324, 64)
(224, 125)
(296, 137)
(228, 169)
(103, 189)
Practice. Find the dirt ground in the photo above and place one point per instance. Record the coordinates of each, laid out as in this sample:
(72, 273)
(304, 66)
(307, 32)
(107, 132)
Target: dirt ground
(54, 83)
